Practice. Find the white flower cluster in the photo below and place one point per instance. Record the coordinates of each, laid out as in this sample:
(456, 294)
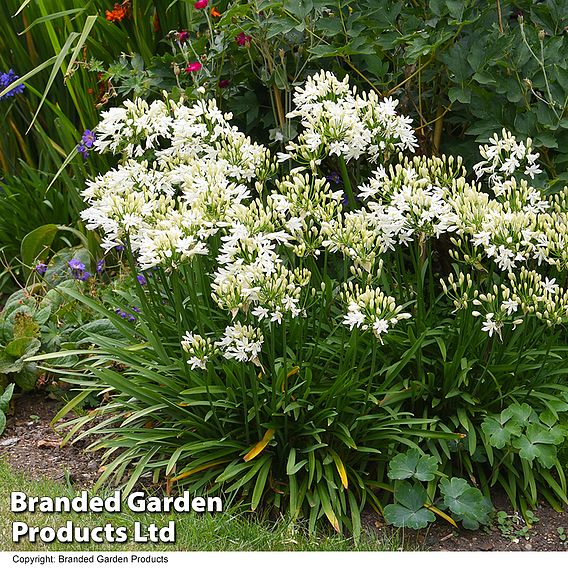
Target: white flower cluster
(404, 201)
(336, 121)
(370, 308)
(200, 349)
(251, 273)
(507, 304)
(504, 157)
(520, 226)
(242, 343)
(192, 185)
(186, 171)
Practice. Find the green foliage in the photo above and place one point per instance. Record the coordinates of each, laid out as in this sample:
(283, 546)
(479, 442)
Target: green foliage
(414, 506)
(526, 444)
(466, 503)
(5, 399)
(292, 437)
(409, 511)
(413, 465)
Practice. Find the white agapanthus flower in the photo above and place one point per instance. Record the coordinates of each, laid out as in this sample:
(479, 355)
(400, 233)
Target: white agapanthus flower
(242, 343)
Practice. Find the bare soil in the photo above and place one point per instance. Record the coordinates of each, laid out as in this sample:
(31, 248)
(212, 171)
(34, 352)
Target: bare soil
(31, 445)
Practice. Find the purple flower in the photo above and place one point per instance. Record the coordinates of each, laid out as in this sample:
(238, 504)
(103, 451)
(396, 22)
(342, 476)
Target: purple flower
(119, 248)
(41, 268)
(135, 309)
(87, 141)
(100, 265)
(125, 315)
(7, 79)
(333, 177)
(142, 280)
(83, 276)
(88, 138)
(76, 264)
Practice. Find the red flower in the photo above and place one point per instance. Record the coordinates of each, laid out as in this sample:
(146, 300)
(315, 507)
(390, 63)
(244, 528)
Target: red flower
(224, 83)
(243, 39)
(200, 4)
(118, 13)
(183, 36)
(193, 66)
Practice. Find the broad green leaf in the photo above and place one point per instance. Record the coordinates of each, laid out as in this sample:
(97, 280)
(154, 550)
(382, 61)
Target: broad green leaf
(402, 517)
(467, 503)
(499, 432)
(2, 422)
(37, 242)
(6, 397)
(412, 464)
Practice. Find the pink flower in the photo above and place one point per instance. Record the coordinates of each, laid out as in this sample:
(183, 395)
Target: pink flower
(200, 4)
(183, 36)
(224, 83)
(193, 66)
(243, 39)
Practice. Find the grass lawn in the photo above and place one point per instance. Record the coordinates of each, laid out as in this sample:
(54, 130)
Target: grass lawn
(225, 531)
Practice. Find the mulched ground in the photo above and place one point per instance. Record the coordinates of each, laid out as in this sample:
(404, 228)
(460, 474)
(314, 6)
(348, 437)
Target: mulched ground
(31, 445)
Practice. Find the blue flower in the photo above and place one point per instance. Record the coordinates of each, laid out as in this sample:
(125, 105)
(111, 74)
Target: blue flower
(41, 268)
(76, 265)
(333, 177)
(142, 280)
(87, 141)
(100, 265)
(7, 79)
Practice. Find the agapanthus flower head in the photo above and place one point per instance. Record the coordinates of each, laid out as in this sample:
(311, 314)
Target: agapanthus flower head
(243, 39)
(7, 79)
(193, 66)
(200, 4)
(41, 268)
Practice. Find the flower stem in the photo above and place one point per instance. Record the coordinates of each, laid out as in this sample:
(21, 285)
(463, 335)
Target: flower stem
(347, 182)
